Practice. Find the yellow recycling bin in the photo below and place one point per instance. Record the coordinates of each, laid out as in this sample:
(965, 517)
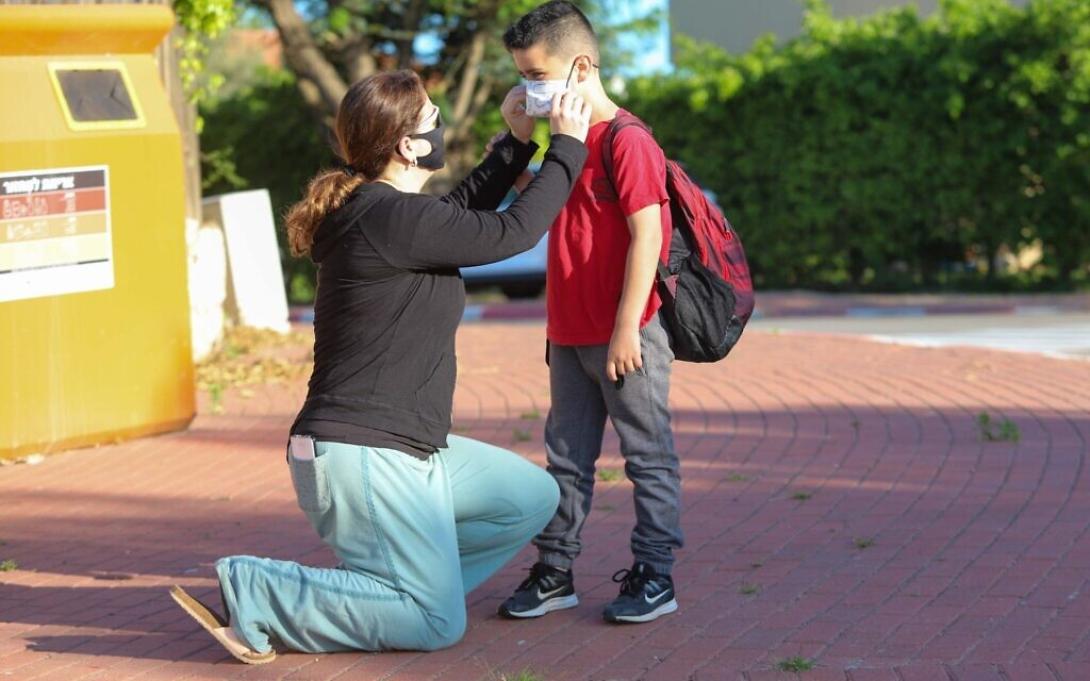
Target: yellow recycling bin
(94, 311)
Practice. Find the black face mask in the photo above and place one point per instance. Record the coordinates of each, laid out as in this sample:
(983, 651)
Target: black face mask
(434, 160)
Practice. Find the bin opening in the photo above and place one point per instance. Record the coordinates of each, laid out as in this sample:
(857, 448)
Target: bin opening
(96, 95)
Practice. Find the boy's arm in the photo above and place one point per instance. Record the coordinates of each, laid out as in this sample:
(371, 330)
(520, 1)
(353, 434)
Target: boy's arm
(645, 226)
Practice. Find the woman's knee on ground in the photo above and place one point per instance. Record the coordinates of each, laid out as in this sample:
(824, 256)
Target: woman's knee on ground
(445, 629)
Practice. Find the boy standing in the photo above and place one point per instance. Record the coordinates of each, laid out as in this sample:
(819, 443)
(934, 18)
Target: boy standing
(609, 354)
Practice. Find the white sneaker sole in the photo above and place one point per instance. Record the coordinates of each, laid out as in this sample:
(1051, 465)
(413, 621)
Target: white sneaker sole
(664, 609)
(562, 603)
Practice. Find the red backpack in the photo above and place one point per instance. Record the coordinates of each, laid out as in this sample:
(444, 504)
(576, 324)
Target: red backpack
(706, 290)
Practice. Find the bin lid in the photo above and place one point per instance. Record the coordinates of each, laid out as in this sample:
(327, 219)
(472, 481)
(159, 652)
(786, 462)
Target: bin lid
(27, 30)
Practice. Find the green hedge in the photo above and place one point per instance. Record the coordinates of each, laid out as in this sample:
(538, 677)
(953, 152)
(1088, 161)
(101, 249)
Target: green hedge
(894, 152)
(263, 136)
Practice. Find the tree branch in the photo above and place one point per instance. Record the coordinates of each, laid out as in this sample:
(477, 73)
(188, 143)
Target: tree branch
(410, 21)
(461, 131)
(359, 61)
(313, 99)
(468, 62)
(467, 87)
(304, 56)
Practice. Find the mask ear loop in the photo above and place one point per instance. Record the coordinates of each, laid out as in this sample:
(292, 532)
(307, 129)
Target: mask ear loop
(571, 71)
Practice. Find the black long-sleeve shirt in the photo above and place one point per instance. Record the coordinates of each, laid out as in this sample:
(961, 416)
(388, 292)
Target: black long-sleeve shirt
(390, 296)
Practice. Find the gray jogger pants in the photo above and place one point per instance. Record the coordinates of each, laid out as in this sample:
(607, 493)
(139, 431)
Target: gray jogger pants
(582, 398)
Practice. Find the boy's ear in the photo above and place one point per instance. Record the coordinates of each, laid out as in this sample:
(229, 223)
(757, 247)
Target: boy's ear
(583, 67)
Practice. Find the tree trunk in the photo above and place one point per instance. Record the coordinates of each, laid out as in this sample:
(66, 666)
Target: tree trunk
(856, 266)
(469, 98)
(304, 56)
(185, 114)
(992, 253)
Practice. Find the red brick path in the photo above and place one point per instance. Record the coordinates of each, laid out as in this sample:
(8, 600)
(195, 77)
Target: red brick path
(921, 552)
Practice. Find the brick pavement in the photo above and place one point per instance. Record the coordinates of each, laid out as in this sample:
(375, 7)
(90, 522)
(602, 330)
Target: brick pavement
(840, 506)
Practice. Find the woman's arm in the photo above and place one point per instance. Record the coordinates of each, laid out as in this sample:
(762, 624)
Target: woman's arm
(508, 156)
(486, 186)
(420, 232)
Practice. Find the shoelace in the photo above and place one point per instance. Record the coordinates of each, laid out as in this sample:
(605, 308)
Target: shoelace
(538, 573)
(631, 582)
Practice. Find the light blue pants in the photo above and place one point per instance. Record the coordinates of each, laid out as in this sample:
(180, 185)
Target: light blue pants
(413, 537)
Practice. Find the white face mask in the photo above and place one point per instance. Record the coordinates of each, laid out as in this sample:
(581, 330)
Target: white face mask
(539, 94)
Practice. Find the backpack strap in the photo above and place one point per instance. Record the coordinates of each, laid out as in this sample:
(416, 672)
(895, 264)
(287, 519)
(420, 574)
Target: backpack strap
(619, 123)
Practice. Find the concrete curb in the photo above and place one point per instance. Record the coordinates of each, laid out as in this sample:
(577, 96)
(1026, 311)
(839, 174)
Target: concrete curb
(535, 310)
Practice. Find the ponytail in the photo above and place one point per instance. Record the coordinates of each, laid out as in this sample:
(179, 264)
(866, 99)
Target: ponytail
(327, 192)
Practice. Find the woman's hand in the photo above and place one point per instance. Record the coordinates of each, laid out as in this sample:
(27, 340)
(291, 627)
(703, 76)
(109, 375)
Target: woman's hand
(514, 112)
(624, 355)
(570, 116)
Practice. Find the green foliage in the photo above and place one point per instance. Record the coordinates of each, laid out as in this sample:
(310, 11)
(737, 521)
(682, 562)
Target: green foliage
(264, 136)
(1007, 430)
(795, 664)
(521, 435)
(894, 152)
(215, 394)
(200, 21)
(524, 675)
(609, 474)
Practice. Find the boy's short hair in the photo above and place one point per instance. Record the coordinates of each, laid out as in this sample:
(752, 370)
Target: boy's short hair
(557, 24)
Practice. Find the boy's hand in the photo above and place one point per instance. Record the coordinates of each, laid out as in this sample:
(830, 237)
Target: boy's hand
(524, 177)
(514, 112)
(492, 142)
(624, 355)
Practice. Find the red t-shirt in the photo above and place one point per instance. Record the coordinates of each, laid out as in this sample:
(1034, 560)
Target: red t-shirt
(588, 243)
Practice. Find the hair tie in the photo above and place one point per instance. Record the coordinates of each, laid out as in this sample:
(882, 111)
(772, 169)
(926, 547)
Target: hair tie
(347, 168)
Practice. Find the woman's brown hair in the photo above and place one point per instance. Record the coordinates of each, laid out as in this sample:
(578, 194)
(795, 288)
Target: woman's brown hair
(374, 115)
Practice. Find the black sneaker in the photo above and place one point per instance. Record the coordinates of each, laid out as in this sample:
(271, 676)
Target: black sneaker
(645, 595)
(546, 589)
